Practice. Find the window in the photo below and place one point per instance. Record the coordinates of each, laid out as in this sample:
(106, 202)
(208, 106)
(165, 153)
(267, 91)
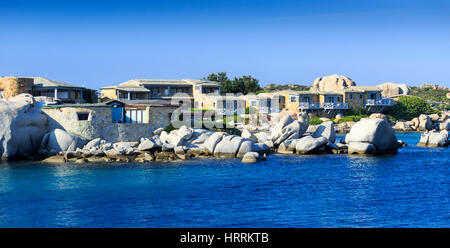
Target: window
(351, 96)
(135, 116)
(253, 103)
(202, 104)
(293, 99)
(360, 96)
(83, 116)
(339, 98)
(63, 94)
(214, 105)
(1, 93)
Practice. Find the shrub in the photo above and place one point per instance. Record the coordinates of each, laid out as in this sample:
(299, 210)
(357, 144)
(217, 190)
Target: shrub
(354, 118)
(408, 107)
(169, 128)
(315, 121)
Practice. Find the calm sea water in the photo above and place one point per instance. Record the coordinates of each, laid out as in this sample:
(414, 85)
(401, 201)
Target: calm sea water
(410, 189)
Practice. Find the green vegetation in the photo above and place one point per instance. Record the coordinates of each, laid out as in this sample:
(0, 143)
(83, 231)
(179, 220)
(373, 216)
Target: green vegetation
(169, 128)
(429, 94)
(409, 107)
(348, 118)
(359, 112)
(244, 84)
(279, 87)
(315, 121)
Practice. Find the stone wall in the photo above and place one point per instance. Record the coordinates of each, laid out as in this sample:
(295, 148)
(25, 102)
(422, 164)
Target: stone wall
(99, 123)
(13, 86)
(356, 102)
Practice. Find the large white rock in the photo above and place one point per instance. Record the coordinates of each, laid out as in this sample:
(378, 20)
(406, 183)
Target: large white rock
(174, 139)
(361, 148)
(309, 144)
(262, 137)
(163, 137)
(22, 126)
(158, 131)
(146, 144)
(375, 131)
(247, 134)
(291, 131)
(288, 146)
(392, 90)
(199, 136)
(425, 123)
(434, 139)
(228, 146)
(434, 117)
(332, 82)
(277, 130)
(251, 157)
(246, 146)
(184, 132)
(92, 144)
(260, 147)
(213, 140)
(62, 141)
(326, 130)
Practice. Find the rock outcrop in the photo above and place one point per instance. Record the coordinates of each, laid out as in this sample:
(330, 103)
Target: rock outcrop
(309, 144)
(373, 131)
(393, 90)
(22, 127)
(425, 123)
(434, 139)
(326, 130)
(59, 140)
(332, 82)
(251, 157)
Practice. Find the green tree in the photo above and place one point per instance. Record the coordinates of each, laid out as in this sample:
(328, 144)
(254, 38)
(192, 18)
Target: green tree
(245, 84)
(409, 107)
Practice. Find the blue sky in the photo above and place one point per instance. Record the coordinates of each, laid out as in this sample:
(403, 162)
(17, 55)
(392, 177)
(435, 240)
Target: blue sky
(107, 42)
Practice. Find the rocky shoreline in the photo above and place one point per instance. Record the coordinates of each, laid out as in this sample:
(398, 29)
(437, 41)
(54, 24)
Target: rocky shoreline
(24, 136)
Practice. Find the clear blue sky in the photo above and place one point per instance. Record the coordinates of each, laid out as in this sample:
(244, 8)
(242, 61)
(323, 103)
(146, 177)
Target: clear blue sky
(107, 42)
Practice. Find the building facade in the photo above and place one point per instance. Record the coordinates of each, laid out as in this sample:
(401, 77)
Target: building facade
(147, 89)
(39, 86)
(113, 121)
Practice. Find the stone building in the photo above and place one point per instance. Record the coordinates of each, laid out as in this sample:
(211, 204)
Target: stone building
(146, 89)
(12, 86)
(64, 92)
(39, 86)
(113, 120)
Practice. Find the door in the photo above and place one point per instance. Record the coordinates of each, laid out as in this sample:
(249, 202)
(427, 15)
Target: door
(117, 114)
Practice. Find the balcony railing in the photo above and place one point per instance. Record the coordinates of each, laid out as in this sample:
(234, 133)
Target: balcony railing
(382, 102)
(268, 110)
(307, 105)
(238, 111)
(332, 105)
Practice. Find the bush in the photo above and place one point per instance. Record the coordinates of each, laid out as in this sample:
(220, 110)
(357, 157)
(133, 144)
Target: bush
(359, 112)
(169, 128)
(315, 121)
(409, 107)
(354, 118)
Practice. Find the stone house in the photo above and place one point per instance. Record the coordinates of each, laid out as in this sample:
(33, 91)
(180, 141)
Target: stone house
(113, 120)
(186, 90)
(12, 86)
(331, 102)
(64, 92)
(39, 86)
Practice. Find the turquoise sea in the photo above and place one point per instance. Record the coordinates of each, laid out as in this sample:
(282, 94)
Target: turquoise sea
(410, 189)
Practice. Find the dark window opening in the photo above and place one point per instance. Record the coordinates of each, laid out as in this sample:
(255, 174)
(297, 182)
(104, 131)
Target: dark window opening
(83, 116)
